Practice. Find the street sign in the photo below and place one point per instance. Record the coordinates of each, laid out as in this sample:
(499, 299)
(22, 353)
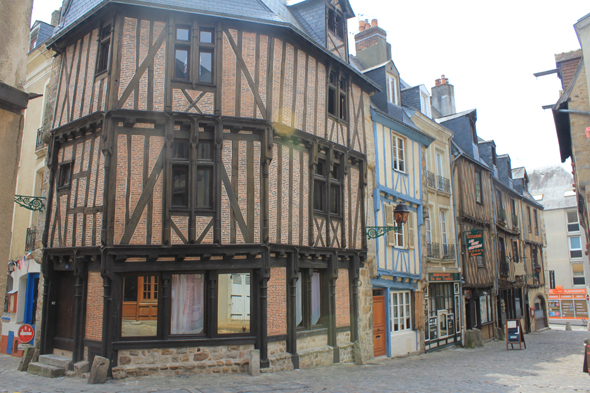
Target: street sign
(26, 334)
(474, 241)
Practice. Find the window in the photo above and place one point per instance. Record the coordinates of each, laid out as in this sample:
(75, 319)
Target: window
(187, 304)
(528, 210)
(439, 165)
(480, 261)
(573, 224)
(192, 178)
(184, 46)
(64, 175)
(104, 50)
(401, 311)
(425, 104)
(514, 216)
(337, 93)
(478, 188)
(309, 305)
(324, 180)
(336, 22)
(536, 222)
(33, 43)
(398, 154)
(575, 243)
(499, 200)
(443, 228)
(392, 89)
(233, 314)
(394, 238)
(578, 274)
(140, 306)
(515, 257)
(494, 155)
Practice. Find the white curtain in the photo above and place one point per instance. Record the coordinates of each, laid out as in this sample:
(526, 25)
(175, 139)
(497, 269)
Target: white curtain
(299, 300)
(187, 304)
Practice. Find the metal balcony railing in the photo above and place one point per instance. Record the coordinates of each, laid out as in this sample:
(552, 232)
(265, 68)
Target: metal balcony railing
(430, 179)
(448, 251)
(30, 240)
(502, 215)
(514, 221)
(432, 250)
(40, 144)
(443, 184)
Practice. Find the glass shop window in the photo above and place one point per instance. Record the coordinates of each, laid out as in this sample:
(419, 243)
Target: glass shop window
(187, 304)
(233, 313)
(401, 311)
(140, 306)
(309, 309)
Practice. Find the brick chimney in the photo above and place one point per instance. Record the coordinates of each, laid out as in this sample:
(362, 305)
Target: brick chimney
(55, 17)
(443, 96)
(371, 44)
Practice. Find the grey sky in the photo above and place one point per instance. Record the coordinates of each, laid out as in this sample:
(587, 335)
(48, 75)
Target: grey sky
(488, 50)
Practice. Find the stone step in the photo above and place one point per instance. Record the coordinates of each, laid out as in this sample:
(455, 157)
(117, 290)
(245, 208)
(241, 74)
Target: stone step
(56, 360)
(46, 370)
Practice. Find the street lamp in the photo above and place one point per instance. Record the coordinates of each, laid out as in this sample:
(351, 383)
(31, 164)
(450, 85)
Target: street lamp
(11, 266)
(538, 267)
(400, 214)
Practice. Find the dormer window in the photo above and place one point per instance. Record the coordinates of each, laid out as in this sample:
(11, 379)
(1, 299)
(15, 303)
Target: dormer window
(336, 22)
(494, 155)
(392, 89)
(425, 104)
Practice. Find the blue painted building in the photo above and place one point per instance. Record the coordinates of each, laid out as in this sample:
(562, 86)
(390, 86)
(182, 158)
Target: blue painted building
(398, 303)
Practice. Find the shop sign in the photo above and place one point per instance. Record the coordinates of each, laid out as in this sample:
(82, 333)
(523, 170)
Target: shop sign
(444, 277)
(552, 279)
(474, 241)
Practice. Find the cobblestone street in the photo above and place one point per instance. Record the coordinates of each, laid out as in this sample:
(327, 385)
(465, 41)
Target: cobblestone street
(552, 362)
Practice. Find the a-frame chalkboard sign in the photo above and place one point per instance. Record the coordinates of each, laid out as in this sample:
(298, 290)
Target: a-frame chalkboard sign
(514, 334)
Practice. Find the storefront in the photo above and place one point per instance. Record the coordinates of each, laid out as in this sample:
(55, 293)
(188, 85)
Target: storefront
(443, 310)
(479, 310)
(568, 304)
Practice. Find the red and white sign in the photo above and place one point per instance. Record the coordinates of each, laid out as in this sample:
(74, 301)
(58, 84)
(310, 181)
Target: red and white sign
(26, 334)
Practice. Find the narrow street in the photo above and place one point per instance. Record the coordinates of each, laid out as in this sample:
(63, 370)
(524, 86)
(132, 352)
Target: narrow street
(552, 362)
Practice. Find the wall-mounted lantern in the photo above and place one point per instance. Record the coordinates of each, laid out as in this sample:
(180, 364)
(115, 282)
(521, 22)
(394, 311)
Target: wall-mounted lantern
(400, 215)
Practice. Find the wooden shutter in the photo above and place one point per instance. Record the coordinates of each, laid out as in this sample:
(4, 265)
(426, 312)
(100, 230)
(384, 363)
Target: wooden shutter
(390, 222)
(410, 226)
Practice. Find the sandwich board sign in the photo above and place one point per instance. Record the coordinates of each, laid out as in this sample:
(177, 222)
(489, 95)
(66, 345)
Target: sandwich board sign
(514, 334)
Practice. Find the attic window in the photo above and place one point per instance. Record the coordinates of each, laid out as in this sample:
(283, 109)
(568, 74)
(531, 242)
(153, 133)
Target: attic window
(494, 155)
(104, 53)
(335, 22)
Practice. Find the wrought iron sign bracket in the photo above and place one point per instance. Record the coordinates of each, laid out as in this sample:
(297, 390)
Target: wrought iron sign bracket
(375, 232)
(30, 202)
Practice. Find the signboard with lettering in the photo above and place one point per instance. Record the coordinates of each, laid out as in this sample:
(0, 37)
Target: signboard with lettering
(444, 277)
(568, 303)
(474, 241)
(514, 334)
(551, 279)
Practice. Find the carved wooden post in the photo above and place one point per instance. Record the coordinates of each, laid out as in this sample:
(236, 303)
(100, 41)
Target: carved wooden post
(292, 277)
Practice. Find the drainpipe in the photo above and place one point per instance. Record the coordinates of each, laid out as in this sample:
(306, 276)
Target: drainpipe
(462, 301)
(573, 111)
(461, 305)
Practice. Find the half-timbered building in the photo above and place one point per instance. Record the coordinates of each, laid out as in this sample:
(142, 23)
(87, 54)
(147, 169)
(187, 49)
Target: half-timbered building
(398, 316)
(475, 223)
(207, 174)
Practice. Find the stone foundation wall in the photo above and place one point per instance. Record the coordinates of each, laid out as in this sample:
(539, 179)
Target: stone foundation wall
(346, 352)
(227, 359)
(305, 343)
(279, 358)
(343, 337)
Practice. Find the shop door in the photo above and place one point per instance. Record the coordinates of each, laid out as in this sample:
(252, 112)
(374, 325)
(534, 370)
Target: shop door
(379, 336)
(240, 297)
(539, 315)
(64, 313)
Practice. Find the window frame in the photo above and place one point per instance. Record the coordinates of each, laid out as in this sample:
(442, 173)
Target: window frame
(574, 249)
(478, 187)
(63, 166)
(405, 306)
(105, 47)
(337, 97)
(392, 88)
(536, 215)
(194, 46)
(568, 223)
(329, 183)
(574, 277)
(305, 280)
(395, 159)
(336, 23)
(530, 221)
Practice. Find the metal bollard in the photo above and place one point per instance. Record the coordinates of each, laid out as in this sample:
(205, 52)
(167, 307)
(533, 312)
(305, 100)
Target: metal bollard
(568, 326)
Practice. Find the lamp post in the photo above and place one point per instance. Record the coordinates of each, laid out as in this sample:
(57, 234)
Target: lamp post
(400, 215)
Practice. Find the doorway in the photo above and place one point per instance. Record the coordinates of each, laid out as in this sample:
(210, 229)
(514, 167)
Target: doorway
(540, 320)
(379, 328)
(64, 312)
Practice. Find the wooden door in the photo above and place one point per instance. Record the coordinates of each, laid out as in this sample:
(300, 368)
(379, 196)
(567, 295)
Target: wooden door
(65, 314)
(240, 297)
(147, 298)
(379, 328)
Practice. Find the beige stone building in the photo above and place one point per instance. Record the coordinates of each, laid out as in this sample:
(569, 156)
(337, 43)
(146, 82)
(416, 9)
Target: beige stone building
(14, 30)
(22, 282)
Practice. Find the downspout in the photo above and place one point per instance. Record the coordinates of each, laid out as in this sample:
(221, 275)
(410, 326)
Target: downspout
(461, 301)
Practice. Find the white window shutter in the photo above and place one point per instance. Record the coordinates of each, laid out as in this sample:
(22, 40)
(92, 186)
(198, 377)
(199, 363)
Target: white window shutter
(389, 221)
(410, 224)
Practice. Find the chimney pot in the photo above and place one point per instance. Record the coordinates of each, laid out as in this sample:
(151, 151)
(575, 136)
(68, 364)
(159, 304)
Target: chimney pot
(374, 23)
(437, 82)
(361, 25)
(367, 25)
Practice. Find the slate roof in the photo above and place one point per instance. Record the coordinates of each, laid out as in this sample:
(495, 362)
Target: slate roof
(456, 115)
(45, 32)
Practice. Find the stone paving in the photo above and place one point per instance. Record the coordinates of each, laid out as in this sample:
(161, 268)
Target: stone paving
(552, 362)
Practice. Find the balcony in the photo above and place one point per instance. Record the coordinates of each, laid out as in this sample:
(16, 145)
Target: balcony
(514, 221)
(432, 250)
(443, 184)
(448, 251)
(430, 179)
(31, 238)
(502, 215)
(40, 144)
